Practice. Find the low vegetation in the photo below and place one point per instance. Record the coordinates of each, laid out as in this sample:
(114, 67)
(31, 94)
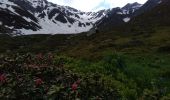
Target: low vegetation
(116, 76)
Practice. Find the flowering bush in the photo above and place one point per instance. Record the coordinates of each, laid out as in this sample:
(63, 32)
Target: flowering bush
(32, 77)
(2, 78)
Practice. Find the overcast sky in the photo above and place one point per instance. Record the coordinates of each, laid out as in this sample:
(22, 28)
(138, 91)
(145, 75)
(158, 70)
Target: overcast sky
(94, 5)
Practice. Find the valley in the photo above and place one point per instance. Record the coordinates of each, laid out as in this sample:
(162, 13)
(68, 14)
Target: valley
(120, 60)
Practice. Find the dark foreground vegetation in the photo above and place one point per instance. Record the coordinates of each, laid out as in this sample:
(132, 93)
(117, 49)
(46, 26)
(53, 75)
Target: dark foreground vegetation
(115, 77)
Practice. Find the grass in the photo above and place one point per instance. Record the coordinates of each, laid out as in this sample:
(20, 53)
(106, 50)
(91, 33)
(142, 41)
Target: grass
(132, 75)
(92, 46)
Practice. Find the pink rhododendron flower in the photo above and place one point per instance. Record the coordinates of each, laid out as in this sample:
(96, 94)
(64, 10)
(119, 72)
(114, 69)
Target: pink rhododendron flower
(2, 78)
(38, 82)
(74, 86)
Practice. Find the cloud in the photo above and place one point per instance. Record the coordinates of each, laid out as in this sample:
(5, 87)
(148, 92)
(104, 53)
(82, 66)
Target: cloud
(102, 5)
(89, 5)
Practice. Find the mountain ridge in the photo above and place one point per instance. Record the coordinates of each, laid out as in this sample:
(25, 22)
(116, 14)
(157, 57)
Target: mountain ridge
(48, 18)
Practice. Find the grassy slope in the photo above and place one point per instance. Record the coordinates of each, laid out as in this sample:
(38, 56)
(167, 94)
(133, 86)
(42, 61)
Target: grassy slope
(137, 76)
(93, 46)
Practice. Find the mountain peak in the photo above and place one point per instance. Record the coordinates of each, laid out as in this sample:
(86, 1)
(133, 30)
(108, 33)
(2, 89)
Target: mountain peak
(132, 5)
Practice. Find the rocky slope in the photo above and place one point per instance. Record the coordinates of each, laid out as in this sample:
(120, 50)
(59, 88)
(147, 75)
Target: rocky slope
(41, 16)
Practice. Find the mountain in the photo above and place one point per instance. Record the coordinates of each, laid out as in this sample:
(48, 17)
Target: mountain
(153, 18)
(118, 16)
(130, 8)
(146, 32)
(148, 6)
(41, 16)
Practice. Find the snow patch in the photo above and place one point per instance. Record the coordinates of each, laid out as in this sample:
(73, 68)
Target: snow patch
(125, 12)
(137, 6)
(27, 19)
(120, 13)
(7, 2)
(10, 27)
(1, 23)
(127, 19)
